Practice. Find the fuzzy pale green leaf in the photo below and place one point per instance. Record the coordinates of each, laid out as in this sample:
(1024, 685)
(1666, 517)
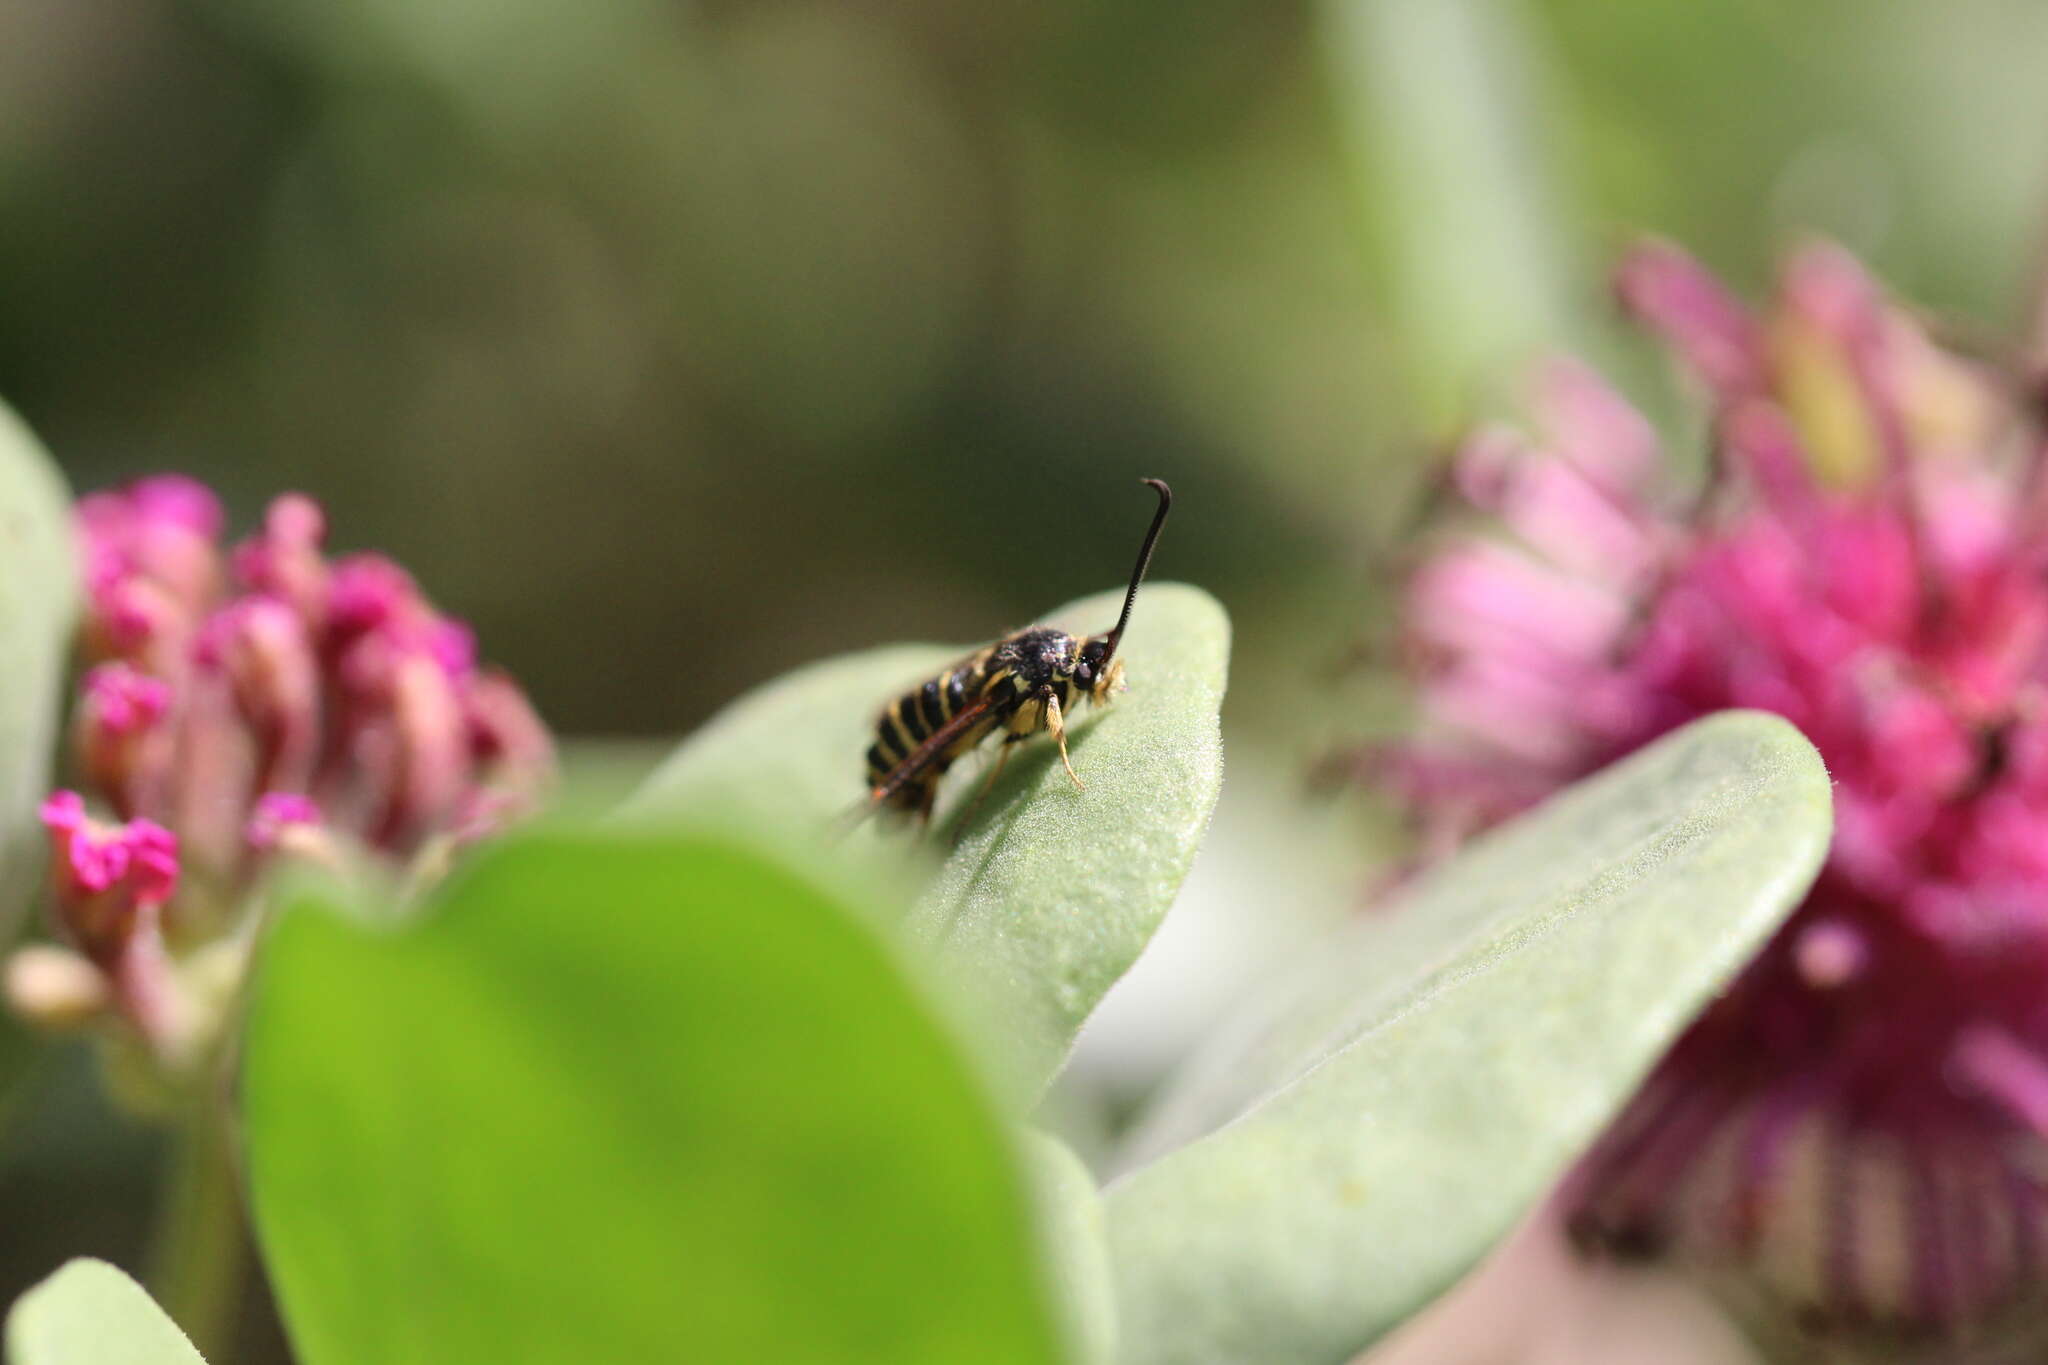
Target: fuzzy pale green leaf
(1047, 894)
(38, 590)
(89, 1313)
(626, 1097)
(1357, 1141)
(786, 757)
(1077, 1247)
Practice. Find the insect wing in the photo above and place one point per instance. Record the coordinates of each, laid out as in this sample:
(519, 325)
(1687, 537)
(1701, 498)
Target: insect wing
(925, 754)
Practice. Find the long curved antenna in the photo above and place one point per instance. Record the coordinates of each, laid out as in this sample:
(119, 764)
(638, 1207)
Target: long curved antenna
(1111, 640)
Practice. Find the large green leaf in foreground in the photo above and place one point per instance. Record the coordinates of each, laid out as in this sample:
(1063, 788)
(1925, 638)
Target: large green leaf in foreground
(38, 591)
(89, 1313)
(626, 1098)
(1359, 1141)
(1048, 894)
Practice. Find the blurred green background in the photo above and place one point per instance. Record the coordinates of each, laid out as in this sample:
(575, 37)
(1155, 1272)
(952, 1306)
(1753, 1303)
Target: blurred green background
(677, 344)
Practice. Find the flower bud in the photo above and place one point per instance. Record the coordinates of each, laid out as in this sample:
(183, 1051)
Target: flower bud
(284, 559)
(107, 877)
(277, 814)
(111, 883)
(138, 621)
(260, 645)
(367, 593)
(55, 988)
(288, 824)
(453, 645)
(152, 571)
(512, 748)
(213, 778)
(407, 735)
(162, 527)
(123, 737)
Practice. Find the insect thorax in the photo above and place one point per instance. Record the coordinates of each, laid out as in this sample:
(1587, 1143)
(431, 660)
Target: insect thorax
(1019, 666)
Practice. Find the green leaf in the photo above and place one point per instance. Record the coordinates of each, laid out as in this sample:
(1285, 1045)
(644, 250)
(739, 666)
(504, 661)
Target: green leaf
(598, 774)
(38, 595)
(1357, 1142)
(626, 1098)
(1077, 1248)
(89, 1313)
(1047, 895)
(786, 757)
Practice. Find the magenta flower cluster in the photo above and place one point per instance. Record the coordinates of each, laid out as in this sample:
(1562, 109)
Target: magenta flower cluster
(236, 700)
(1858, 1130)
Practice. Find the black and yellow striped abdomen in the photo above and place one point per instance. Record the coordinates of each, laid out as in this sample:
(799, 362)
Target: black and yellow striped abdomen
(1009, 676)
(917, 715)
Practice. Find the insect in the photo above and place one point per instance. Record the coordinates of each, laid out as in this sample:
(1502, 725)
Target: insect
(1021, 684)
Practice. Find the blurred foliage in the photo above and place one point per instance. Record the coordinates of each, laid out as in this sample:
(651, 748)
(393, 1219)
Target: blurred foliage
(865, 313)
(37, 604)
(714, 1074)
(90, 1311)
(678, 344)
(519, 1131)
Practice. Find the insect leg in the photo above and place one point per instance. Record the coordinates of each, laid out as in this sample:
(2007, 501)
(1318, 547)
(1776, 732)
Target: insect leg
(1057, 723)
(988, 785)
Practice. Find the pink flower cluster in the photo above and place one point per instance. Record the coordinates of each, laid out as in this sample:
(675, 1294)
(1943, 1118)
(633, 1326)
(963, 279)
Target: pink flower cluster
(234, 696)
(1858, 1130)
